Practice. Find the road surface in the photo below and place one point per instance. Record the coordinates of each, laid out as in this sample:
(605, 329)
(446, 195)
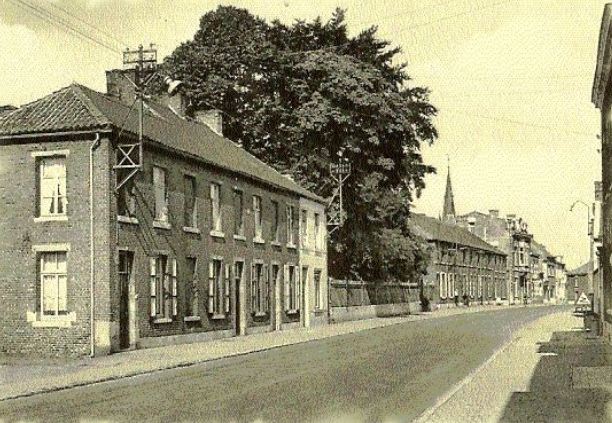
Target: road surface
(386, 374)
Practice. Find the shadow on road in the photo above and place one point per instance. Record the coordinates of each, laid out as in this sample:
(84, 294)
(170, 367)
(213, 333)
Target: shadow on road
(554, 393)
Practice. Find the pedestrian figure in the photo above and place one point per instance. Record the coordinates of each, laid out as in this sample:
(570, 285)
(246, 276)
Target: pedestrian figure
(456, 298)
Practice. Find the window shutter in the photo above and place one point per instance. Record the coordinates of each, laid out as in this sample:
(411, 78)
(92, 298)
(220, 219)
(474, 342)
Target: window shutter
(286, 283)
(266, 289)
(298, 289)
(254, 307)
(174, 289)
(211, 287)
(226, 288)
(152, 263)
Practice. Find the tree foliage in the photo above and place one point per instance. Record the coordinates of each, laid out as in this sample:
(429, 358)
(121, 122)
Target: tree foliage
(298, 96)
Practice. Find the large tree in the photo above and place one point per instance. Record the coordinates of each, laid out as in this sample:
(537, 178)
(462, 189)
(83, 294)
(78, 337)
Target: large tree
(298, 97)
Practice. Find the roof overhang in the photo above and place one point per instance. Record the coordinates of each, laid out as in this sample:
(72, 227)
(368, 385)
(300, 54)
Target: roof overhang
(602, 71)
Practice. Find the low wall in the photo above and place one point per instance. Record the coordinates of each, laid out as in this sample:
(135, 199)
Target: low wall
(343, 314)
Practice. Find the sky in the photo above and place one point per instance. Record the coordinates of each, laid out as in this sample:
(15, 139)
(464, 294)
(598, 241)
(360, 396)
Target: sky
(511, 80)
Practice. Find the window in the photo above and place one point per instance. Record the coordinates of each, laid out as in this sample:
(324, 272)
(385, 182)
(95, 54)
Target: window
(126, 200)
(292, 289)
(161, 194)
(275, 222)
(290, 227)
(190, 202)
(318, 289)
(52, 189)
(304, 229)
(259, 288)
(215, 198)
(257, 217)
(163, 287)
(317, 231)
(238, 213)
(443, 286)
(191, 287)
(53, 284)
(218, 288)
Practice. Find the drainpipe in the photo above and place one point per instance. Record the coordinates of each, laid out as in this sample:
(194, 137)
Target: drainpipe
(92, 300)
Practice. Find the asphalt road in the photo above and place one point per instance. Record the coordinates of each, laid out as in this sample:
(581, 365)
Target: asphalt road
(385, 374)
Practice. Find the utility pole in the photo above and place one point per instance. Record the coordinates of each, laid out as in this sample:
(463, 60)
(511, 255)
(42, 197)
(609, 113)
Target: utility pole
(339, 172)
(129, 154)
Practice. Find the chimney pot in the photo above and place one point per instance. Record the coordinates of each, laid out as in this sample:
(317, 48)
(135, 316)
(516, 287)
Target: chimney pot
(118, 85)
(494, 213)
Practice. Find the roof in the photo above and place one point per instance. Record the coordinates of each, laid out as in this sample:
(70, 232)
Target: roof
(435, 230)
(77, 108)
(581, 270)
(539, 250)
(602, 70)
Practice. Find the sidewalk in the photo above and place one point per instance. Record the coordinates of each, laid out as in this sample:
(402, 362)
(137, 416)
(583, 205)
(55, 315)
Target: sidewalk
(550, 372)
(22, 378)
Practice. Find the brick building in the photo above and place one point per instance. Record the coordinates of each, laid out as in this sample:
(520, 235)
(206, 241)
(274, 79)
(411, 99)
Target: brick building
(462, 263)
(203, 242)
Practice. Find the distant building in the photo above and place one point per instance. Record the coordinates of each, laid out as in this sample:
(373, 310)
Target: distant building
(448, 209)
(577, 282)
(511, 236)
(462, 264)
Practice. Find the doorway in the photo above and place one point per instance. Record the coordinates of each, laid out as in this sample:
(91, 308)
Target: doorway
(125, 277)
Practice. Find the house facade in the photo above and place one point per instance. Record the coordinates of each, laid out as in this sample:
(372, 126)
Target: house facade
(202, 242)
(463, 267)
(511, 236)
(602, 99)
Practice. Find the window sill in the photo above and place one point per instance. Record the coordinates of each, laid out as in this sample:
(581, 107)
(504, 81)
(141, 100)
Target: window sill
(191, 319)
(319, 311)
(38, 321)
(292, 246)
(51, 219)
(260, 314)
(162, 320)
(258, 241)
(292, 311)
(276, 244)
(217, 234)
(127, 219)
(191, 230)
(161, 225)
(240, 237)
(218, 316)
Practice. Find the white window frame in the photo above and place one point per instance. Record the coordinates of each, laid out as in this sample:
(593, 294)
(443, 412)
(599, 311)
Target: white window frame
(239, 222)
(218, 288)
(215, 209)
(163, 283)
(443, 286)
(194, 282)
(260, 288)
(258, 219)
(161, 208)
(56, 195)
(290, 211)
(193, 222)
(292, 289)
(304, 236)
(58, 312)
(317, 231)
(276, 224)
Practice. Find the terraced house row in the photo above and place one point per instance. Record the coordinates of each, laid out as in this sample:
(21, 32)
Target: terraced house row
(205, 241)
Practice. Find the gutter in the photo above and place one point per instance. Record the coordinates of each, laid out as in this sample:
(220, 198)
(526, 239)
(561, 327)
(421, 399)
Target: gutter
(92, 299)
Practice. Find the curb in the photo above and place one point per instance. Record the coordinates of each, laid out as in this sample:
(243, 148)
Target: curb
(194, 362)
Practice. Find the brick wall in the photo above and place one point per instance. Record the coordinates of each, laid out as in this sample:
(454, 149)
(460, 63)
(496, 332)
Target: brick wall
(145, 240)
(20, 234)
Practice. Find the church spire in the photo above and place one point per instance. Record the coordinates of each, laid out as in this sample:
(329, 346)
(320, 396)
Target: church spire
(448, 212)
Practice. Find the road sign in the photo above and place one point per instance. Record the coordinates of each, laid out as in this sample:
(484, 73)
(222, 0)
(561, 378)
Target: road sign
(583, 300)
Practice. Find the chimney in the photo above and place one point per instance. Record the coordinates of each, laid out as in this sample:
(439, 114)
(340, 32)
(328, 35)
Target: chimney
(211, 118)
(598, 191)
(511, 216)
(7, 108)
(118, 85)
(494, 213)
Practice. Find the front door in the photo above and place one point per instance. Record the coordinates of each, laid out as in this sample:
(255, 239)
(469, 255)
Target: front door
(125, 273)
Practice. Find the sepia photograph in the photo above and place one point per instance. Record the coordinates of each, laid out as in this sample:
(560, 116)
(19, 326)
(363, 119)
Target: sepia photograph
(307, 211)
